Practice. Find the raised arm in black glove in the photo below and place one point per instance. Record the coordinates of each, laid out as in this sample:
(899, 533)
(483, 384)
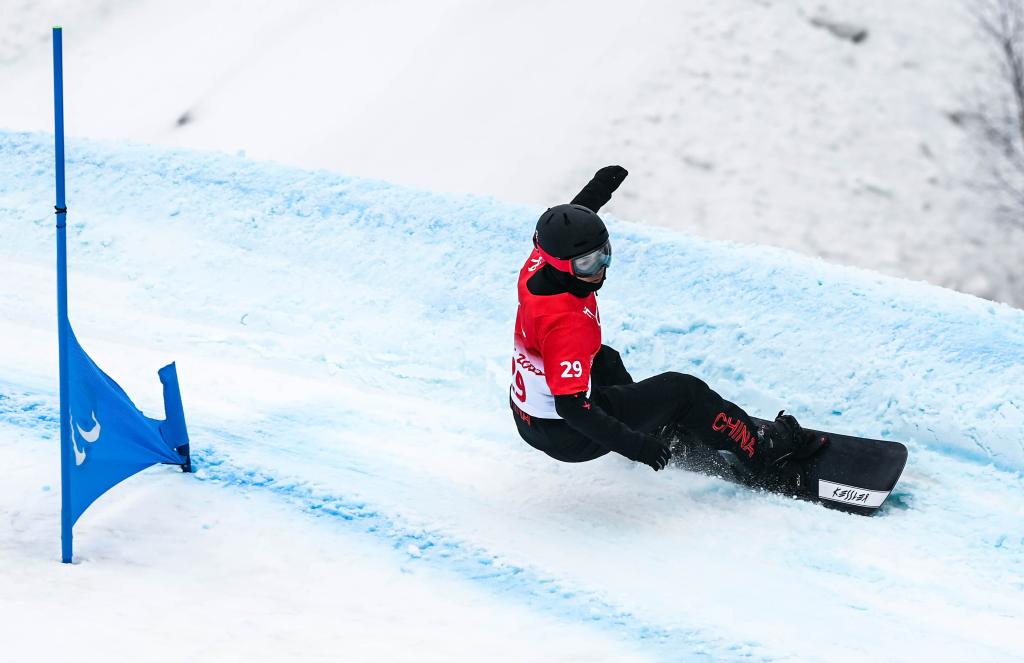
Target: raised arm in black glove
(600, 188)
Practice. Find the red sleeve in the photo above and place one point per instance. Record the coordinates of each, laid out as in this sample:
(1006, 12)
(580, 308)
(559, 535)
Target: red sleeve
(568, 350)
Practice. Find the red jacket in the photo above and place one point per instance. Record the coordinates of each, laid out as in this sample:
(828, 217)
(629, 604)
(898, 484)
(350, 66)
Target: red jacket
(556, 338)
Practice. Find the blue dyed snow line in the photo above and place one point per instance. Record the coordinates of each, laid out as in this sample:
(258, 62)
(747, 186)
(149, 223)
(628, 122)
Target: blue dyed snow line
(421, 545)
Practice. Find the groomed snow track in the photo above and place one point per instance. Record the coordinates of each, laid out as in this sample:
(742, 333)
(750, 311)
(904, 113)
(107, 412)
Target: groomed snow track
(343, 346)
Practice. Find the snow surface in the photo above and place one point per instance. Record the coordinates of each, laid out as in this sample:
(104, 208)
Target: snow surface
(739, 119)
(361, 492)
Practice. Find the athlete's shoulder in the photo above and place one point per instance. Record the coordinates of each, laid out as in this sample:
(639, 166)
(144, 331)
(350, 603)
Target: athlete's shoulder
(531, 266)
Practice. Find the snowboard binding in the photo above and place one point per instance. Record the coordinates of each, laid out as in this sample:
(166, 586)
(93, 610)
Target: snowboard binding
(786, 450)
(784, 439)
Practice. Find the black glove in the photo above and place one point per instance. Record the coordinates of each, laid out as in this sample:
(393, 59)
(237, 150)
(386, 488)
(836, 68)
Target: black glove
(612, 175)
(600, 188)
(654, 452)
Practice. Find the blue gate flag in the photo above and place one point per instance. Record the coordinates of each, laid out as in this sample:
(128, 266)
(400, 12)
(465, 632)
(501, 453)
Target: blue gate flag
(110, 438)
(104, 438)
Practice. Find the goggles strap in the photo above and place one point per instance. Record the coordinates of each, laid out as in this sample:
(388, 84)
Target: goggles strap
(558, 263)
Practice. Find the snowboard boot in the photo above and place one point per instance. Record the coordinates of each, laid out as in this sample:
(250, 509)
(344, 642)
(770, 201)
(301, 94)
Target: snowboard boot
(783, 446)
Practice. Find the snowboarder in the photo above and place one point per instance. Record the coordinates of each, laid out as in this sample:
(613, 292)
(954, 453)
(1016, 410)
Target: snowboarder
(573, 398)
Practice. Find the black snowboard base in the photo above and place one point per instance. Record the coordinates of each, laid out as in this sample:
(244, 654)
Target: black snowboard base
(852, 474)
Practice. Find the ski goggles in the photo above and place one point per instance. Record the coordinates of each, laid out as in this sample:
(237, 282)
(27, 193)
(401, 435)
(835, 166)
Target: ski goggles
(588, 264)
(591, 263)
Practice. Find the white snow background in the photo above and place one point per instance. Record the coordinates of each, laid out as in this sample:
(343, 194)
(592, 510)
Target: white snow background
(343, 350)
(738, 119)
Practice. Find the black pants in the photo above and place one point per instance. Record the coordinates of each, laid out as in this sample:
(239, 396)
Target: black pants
(675, 399)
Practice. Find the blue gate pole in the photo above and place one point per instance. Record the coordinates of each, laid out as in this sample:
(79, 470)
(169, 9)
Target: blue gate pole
(62, 302)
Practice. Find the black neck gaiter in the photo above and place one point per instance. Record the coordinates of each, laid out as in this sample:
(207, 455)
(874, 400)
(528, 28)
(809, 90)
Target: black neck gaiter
(550, 281)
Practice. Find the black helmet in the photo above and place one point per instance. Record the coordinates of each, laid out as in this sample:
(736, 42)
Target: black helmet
(573, 239)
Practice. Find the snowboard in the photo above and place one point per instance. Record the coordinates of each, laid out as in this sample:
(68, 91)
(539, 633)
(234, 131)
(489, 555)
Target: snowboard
(851, 474)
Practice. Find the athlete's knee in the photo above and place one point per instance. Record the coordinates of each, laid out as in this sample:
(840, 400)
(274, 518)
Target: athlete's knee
(687, 387)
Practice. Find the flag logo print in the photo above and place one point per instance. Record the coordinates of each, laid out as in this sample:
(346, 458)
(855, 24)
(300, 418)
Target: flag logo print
(89, 436)
(109, 438)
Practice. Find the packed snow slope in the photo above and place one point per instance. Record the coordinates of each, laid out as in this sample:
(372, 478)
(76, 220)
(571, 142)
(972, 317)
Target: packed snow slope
(344, 345)
(741, 120)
